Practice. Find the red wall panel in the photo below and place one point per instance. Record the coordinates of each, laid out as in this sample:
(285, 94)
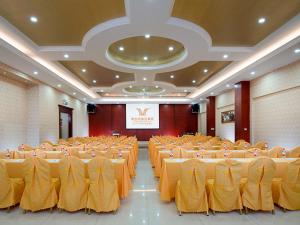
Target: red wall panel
(242, 111)
(173, 120)
(211, 116)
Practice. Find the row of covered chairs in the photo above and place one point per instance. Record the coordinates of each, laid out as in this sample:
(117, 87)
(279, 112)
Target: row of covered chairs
(228, 191)
(71, 192)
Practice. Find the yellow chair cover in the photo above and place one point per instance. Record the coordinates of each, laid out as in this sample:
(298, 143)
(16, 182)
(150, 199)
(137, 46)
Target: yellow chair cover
(276, 152)
(11, 189)
(254, 152)
(190, 195)
(262, 145)
(289, 188)
(257, 192)
(224, 192)
(40, 189)
(294, 153)
(103, 192)
(74, 186)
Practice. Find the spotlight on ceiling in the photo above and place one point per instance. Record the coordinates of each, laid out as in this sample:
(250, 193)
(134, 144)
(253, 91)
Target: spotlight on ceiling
(101, 91)
(144, 78)
(59, 85)
(297, 50)
(228, 85)
(172, 76)
(121, 48)
(35, 72)
(145, 58)
(147, 36)
(117, 76)
(94, 81)
(205, 70)
(74, 93)
(33, 19)
(83, 70)
(156, 86)
(261, 20)
(171, 48)
(194, 81)
(252, 73)
(130, 86)
(66, 56)
(225, 56)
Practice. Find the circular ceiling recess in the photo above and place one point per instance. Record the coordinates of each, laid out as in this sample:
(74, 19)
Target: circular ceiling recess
(143, 90)
(142, 51)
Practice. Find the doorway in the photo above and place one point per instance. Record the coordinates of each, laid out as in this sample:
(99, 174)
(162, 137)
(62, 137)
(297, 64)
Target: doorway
(65, 122)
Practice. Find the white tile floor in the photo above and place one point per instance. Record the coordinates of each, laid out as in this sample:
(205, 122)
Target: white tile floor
(145, 208)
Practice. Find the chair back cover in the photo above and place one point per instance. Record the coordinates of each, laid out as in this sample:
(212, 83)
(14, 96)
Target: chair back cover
(39, 192)
(103, 191)
(257, 193)
(74, 186)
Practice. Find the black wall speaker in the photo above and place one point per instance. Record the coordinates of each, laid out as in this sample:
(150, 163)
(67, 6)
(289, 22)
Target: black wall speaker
(91, 108)
(195, 108)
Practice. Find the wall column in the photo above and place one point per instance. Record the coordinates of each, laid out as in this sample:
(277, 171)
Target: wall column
(242, 111)
(211, 116)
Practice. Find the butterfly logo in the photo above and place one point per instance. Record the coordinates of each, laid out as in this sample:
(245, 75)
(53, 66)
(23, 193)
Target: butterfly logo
(142, 112)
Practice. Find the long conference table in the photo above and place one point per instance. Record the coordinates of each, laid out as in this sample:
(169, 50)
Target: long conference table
(126, 154)
(163, 154)
(171, 170)
(15, 170)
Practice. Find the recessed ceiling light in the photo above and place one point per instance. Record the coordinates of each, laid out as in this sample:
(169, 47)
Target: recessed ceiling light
(143, 89)
(94, 81)
(144, 78)
(121, 48)
(261, 20)
(156, 86)
(33, 19)
(66, 56)
(201, 99)
(84, 99)
(145, 58)
(59, 85)
(74, 93)
(225, 56)
(172, 76)
(205, 70)
(101, 91)
(297, 50)
(185, 90)
(228, 85)
(171, 48)
(147, 36)
(211, 93)
(130, 86)
(83, 70)
(117, 76)
(35, 72)
(252, 73)
(194, 81)
(236, 86)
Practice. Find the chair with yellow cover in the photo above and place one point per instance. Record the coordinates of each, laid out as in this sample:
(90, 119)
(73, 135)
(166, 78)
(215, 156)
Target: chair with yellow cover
(40, 189)
(255, 152)
(103, 191)
(227, 145)
(230, 154)
(74, 186)
(224, 190)
(262, 145)
(46, 146)
(238, 142)
(243, 145)
(190, 195)
(11, 189)
(276, 152)
(25, 147)
(294, 153)
(257, 188)
(286, 191)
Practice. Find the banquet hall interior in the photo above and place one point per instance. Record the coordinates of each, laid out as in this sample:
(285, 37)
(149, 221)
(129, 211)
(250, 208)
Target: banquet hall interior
(149, 112)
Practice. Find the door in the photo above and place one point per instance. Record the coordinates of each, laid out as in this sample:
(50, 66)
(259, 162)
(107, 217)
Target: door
(65, 122)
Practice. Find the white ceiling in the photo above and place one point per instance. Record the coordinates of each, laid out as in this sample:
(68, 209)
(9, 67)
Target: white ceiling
(18, 51)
